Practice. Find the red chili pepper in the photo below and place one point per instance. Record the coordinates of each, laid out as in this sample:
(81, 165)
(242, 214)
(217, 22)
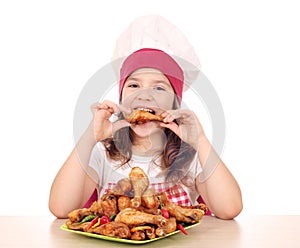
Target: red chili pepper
(93, 222)
(181, 228)
(104, 219)
(165, 213)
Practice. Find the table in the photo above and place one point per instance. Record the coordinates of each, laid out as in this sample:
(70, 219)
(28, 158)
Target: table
(246, 231)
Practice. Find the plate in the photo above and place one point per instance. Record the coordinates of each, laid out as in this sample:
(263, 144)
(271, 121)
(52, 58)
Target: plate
(98, 236)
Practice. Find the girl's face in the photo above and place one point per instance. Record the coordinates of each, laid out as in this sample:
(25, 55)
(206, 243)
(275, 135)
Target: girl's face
(148, 88)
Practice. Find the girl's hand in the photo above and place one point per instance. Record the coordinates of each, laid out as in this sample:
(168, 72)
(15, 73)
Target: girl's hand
(103, 128)
(189, 128)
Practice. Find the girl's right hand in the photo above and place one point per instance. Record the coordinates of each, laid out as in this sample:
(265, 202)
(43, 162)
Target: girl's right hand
(103, 128)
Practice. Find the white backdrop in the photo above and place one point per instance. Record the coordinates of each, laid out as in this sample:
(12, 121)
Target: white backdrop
(249, 50)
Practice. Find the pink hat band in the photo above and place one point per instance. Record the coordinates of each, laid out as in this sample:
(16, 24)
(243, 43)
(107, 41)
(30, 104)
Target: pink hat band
(153, 58)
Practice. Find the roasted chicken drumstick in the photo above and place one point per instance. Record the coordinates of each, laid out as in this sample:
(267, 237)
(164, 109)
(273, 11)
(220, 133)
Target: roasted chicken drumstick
(140, 183)
(182, 214)
(139, 116)
(131, 216)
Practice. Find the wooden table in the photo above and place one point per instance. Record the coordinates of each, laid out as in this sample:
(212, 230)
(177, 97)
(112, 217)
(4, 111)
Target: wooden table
(246, 231)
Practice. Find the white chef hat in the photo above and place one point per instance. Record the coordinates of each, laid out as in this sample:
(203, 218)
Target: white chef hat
(154, 31)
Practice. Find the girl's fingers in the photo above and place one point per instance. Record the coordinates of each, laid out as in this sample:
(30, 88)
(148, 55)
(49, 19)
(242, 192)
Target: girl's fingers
(172, 126)
(106, 105)
(171, 115)
(95, 107)
(110, 106)
(113, 108)
(180, 114)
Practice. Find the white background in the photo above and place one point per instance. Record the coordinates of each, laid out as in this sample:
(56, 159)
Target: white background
(249, 50)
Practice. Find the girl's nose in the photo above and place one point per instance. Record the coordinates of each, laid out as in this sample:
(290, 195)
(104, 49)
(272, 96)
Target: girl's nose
(145, 95)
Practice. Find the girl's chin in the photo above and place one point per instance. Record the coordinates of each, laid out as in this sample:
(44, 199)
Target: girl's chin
(146, 129)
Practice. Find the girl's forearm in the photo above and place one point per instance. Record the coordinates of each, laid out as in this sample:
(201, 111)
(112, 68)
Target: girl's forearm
(68, 190)
(216, 184)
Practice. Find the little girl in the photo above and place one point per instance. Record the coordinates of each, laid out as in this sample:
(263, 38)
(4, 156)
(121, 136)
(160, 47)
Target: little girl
(173, 153)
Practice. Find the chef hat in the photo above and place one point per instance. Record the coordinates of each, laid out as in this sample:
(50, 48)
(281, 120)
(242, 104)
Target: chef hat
(154, 31)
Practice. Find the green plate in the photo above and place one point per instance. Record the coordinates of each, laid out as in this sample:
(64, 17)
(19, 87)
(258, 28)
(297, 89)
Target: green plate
(98, 236)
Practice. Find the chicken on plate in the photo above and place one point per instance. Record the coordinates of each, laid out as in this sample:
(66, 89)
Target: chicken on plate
(132, 210)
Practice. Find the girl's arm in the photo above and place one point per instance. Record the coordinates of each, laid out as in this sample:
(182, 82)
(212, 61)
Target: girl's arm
(216, 184)
(76, 181)
(74, 184)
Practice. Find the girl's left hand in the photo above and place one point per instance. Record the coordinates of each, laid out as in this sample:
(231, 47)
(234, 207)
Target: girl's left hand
(189, 128)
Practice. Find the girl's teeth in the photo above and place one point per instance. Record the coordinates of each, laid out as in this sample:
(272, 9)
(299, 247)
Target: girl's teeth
(146, 109)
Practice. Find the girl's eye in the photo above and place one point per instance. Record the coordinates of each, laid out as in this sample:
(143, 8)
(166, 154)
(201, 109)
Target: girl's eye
(132, 85)
(159, 88)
